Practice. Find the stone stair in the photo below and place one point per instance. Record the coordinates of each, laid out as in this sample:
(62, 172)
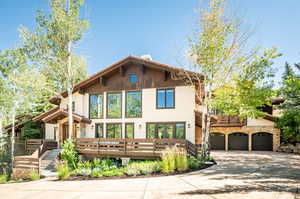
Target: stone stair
(48, 163)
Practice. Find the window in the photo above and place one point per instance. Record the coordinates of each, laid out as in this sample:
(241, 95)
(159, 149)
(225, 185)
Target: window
(114, 130)
(114, 105)
(73, 106)
(129, 130)
(166, 130)
(165, 98)
(99, 131)
(133, 79)
(96, 106)
(133, 104)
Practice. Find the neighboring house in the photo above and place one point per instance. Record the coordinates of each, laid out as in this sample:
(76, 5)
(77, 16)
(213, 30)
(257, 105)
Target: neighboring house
(137, 98)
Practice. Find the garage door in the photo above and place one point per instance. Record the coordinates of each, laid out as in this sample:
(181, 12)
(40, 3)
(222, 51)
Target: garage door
(238, 141)
(262, 142)
(217, 141)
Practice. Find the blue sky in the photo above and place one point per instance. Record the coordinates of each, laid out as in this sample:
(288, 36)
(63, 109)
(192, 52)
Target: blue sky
(159, 27)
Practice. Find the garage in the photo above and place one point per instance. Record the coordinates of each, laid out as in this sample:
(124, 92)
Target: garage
(217, 141)
(262, 141)
(238, 141)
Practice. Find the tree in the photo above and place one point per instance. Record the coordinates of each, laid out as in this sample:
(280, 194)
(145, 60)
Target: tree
(232, 78)
(51, 45)
(289, 122)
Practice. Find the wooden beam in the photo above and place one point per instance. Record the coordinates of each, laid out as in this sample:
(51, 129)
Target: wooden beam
(81, 91)
(102, 81)
(166, 75)
(122, 70)
(143, 68)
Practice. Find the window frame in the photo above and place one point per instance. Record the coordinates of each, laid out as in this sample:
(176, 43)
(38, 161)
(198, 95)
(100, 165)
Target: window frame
(167, 123)
(126, 124)
(130, 78)
(116, 92)
(97, 107)
(165, 90)
(101, 124)
(126, 92)
(113, 123)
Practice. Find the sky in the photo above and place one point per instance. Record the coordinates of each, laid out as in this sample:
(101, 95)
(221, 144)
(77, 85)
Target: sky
(161, 28)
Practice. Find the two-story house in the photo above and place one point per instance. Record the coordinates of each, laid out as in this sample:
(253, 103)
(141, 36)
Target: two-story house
(137, 98)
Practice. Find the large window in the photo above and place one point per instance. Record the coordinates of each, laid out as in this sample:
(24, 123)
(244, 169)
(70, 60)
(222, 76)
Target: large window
(114, 130)
(165, 98)
(114, 105)
(96, 106)
(99, 131)
(129, 130)
(133, 104)
(166, 130)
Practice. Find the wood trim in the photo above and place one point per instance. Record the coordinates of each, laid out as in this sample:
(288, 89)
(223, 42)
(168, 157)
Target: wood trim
(113, 123)
(129, 123)
(117, 92)
(128, 91)
(165, 89)
(102, 106)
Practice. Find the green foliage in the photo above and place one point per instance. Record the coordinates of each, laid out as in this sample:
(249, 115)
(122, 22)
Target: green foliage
(34, 175)
(96, 173)
(143, 168)
(289, 123)
(69, 153)
(31, 130)
(84, 165)
(113, 172)
(193, 163)
(3, 178)
(181, 160)
(169, 160)
(63, 171)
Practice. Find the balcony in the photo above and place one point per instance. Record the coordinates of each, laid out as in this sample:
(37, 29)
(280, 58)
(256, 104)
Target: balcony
(228, 121)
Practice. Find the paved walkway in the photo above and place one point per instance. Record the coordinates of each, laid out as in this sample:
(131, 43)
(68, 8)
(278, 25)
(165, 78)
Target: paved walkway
(238, 175)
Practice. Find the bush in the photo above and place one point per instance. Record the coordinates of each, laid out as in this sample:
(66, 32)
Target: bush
(96, 173)
(105, 164)
(113, 172)
(181, 159)
(69, 153)
(34, 175)
(3, 178)
(168, 160)
(143, 168)
(194, 163)
(63, 171)
(84, 165)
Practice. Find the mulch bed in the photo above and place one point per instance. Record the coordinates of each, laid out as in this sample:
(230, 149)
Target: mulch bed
(79, 178)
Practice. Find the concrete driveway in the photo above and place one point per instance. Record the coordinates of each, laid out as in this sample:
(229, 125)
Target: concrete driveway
(238, 175)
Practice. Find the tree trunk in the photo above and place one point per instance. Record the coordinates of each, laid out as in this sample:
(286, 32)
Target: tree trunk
(70, 112)
(12, 136)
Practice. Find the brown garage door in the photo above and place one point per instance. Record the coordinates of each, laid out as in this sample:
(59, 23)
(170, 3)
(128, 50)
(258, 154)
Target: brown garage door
(238, 141)
(217, 141)
(262, 142)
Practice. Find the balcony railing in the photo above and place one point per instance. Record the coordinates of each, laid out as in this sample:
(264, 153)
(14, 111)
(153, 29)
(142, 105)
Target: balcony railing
(225, 120)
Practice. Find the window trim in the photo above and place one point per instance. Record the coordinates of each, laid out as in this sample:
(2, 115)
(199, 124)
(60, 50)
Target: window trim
(129, 123)
(116, 92)
(128, 91)
(135, 76)
(165, 89)
(111, 123)
(90, 106)
(174, 129)
(102, 124)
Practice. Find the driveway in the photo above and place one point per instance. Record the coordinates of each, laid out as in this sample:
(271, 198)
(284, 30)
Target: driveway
(238, 175)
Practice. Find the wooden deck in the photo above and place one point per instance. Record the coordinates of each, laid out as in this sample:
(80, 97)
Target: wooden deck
(132, 148)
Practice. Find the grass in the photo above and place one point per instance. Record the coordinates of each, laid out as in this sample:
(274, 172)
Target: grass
(34, 175)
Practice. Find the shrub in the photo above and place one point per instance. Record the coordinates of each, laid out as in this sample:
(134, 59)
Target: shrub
(105, 164)
(69, 153)
(113, 172)
(96, 173)
(84, 165)
(34, 175)
(63, 171)
(168, 160)
(3, 178)
(193, 163)
(143, 168)
(181, 159)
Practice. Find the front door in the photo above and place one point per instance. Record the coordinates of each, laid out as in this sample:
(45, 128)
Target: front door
(65, 133)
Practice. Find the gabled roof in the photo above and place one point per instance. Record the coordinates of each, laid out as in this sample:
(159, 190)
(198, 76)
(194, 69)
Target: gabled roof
(146, 62)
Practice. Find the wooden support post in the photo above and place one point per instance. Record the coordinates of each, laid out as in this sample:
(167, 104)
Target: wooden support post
(226, 142)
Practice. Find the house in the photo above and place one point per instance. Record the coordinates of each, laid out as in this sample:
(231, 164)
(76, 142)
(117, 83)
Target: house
(138, 98)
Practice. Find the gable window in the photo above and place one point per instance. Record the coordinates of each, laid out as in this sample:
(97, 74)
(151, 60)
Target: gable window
(114, 105)
(99, 131)
(73, 106)
(129, 130)
(114, 130)
(133, 104)
(166, 130)
(165, 98)
(96, 106)
(133, 78)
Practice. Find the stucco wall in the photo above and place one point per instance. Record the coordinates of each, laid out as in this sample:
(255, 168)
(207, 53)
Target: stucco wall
(49, 128)
(183, 112)
(259, 122)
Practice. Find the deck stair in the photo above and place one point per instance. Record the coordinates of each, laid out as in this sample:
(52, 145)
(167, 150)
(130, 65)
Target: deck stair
(48, 162)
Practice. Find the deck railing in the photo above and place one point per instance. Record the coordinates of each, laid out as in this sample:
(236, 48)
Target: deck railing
(134, 148)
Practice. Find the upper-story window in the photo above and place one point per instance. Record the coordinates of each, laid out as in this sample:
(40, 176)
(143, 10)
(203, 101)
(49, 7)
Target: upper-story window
(99, 131)
(114, 105)
(133, 78)
(73, 106)
(133, 104)
(96, 106)
(165, 98)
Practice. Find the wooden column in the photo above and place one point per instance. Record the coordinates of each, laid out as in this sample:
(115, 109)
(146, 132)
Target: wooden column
(226, 142)
(249, 141)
